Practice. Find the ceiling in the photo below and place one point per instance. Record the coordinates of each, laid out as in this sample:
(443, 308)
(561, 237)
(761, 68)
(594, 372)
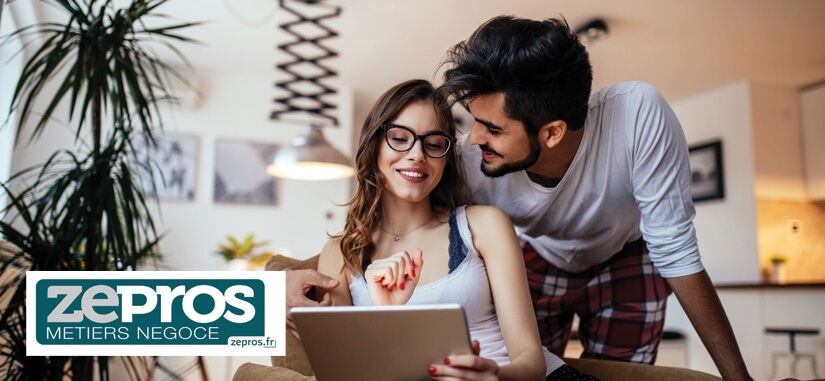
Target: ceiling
(683, 47)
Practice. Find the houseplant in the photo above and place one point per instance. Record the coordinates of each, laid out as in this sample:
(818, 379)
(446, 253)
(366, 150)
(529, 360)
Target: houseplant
(84, 208)
(245, 251)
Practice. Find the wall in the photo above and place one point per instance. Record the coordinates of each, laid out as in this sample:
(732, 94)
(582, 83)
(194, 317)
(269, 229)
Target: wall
(812, 107)
(803, 248)
(8, 73)
(305, 211)
(777, 143)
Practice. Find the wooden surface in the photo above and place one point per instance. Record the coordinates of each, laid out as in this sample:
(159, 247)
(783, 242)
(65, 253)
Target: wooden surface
(790, 285)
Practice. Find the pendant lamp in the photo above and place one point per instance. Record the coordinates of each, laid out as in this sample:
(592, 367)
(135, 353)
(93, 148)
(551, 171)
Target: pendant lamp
(309, 156)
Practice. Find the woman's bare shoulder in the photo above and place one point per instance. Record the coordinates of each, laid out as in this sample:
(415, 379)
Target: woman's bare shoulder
(331, 258)
(484, 215)
(332, 246)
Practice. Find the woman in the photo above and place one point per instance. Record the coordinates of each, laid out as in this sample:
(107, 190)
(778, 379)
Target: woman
(409, 239)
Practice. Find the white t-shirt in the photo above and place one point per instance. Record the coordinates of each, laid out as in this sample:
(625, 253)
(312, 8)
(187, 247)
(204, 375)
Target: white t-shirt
(630, 178)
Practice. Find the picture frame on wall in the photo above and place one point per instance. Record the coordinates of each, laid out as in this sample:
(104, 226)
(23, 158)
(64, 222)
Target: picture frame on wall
(240, 173)
(706, 171)
(174, 161)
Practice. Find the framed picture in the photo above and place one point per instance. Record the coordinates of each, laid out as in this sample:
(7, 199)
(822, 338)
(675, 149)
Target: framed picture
(240, 172)
(706, 172)
(173, 162)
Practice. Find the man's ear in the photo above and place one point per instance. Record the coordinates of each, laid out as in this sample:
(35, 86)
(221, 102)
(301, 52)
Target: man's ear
(552, 134)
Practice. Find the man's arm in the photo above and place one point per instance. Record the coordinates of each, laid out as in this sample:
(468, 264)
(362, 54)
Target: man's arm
(300, 279)
(306, 264)
(698, 297)
(661, 175)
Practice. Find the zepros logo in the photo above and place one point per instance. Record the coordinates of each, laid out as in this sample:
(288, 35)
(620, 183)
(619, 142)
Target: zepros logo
(206, 313)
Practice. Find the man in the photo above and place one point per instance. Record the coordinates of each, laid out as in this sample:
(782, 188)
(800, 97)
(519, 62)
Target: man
(597, 186)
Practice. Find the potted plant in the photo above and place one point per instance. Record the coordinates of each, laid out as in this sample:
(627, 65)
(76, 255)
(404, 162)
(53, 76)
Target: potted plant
(242, 255)
(83, 208)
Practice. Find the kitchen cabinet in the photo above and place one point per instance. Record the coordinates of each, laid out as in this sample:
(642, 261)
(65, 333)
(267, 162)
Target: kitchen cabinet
(812, 105)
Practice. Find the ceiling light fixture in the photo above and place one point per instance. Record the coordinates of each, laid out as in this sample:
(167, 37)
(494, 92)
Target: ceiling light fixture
(309, 156)
(593, 30)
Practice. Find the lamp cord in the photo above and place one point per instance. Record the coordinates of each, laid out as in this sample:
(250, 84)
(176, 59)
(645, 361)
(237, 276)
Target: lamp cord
(237, 15)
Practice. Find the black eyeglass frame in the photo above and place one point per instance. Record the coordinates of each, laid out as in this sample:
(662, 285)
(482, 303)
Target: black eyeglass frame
(417, 137)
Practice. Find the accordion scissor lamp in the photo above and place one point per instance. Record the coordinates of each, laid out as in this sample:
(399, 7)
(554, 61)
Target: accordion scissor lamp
(309, 156)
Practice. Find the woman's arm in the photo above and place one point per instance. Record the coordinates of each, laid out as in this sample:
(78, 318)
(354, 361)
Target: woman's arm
(331, 263)
(496, 241)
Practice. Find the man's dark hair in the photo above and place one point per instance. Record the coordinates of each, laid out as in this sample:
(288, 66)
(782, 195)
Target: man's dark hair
(540, 66)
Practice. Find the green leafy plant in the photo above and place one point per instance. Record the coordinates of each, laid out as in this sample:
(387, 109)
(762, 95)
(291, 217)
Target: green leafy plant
(246, 249)
(84, 208)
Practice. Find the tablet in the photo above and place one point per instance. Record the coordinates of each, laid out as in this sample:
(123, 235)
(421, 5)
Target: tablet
(380, 342)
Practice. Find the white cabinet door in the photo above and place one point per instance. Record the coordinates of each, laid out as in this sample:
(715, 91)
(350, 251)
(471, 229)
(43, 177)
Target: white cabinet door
(813, 135)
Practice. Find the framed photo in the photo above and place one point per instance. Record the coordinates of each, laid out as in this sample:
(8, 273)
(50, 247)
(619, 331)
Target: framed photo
(174, 165)
(706, 172)
(240, 172)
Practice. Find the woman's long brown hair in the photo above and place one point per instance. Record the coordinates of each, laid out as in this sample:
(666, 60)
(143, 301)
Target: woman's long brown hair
(365, 209)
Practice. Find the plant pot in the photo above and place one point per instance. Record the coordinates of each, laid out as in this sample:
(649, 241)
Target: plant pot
(238, 265)
(779, 276)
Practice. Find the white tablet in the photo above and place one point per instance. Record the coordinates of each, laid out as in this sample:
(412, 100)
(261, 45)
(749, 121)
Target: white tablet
(380, 342)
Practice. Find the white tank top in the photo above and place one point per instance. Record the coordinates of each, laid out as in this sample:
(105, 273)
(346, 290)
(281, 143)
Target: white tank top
(466, 285)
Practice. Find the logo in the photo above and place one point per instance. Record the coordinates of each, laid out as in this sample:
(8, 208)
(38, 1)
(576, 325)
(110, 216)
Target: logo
(142, 313)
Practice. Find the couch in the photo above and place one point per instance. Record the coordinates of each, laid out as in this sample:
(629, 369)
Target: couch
(295, 365)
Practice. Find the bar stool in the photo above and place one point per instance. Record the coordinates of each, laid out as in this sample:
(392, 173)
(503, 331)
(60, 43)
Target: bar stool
(793, 355)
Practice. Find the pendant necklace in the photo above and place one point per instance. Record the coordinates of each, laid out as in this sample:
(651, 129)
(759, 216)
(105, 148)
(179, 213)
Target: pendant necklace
(397, 237)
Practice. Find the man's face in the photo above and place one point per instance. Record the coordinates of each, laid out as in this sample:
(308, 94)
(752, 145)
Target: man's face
(505, 145)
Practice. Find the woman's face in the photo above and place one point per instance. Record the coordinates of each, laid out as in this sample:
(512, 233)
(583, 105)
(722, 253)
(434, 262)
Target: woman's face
(412, 175)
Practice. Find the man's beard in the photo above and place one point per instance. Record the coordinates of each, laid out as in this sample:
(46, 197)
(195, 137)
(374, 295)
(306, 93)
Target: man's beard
(535, 151)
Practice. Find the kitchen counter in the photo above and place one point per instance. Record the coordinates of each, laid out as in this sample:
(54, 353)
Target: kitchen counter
(769, 285)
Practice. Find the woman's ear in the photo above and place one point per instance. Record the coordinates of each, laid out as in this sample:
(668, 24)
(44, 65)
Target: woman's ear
(551, 134)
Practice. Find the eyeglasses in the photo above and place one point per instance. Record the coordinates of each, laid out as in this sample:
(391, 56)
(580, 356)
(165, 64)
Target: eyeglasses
(402, 139)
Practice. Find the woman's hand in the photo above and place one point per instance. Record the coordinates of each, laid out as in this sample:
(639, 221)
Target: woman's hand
(391, 281)
(465, 367)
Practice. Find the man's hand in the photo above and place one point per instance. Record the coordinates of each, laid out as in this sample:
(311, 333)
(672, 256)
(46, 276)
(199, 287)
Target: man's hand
(298, 283)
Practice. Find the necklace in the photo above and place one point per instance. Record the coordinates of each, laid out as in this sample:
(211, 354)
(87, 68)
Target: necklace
(398, 236)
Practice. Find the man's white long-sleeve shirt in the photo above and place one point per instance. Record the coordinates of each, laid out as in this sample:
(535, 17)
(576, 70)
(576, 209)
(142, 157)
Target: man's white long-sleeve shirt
(630, 178)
